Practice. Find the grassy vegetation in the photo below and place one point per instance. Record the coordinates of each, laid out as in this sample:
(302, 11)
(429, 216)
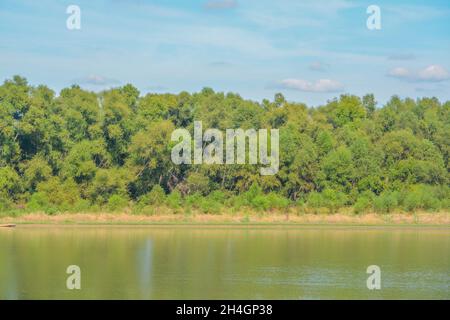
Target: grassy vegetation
(419, 199)
(292, 216)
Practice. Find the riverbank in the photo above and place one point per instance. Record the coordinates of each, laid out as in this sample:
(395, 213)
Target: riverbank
(421, 218)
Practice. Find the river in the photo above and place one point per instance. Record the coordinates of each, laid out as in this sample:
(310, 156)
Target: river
(211, 262)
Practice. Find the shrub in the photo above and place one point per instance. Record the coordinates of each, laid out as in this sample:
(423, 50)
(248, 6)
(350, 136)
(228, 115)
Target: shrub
(237, 202)
(174, 199)
(60, 194)
(5, 203)
(156, 196)
(193, 200)
(254, 191)
(314, 200)
(10, 182)
(210, 205)
(412, 201)
(260, 202)
(107, 182)
(277, 201)
(38, 201)
(81, 205)
(218, 196)
(386, 201)
(421, 197)
(146, 210)
(363, 203)
(117, 202)
(197, 183)
(333, 199)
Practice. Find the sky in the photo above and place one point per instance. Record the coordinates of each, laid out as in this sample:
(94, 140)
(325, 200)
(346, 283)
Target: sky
(311, 50)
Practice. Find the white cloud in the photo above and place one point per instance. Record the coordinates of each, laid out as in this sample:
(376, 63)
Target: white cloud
(322, 85)
(399, 72)
(432, 73)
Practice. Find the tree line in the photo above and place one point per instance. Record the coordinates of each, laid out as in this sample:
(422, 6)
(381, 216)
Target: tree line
(86, 151)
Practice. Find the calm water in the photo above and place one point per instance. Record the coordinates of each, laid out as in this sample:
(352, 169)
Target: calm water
(224, 263)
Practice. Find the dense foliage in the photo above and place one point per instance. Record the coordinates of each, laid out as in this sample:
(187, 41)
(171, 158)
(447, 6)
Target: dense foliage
(84, 151)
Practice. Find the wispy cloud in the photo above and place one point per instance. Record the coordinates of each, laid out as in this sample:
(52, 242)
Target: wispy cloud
(404, 13)
(432, 73)
(156, 88)
(238, 45)
(322, 85)
(280, 21)
(283, 14)
(220, 64)
(400, 72)
(330, 7)
(401, 56)
(96, 80)
(318, 66)
(152, 9)
(220, 4)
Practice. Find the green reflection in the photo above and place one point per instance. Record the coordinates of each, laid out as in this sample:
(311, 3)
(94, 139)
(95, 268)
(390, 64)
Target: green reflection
(224, 263)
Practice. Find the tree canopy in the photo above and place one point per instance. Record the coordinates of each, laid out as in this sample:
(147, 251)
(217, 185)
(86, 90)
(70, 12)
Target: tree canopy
(80, 150)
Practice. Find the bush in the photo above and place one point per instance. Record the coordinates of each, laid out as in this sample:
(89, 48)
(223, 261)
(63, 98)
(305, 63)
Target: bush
(10, 182)
(260, 202)
(386, 201)
(38, 201)
(363, 203)
(254, 191)
(218, 196)
(193, 200)
(156, 196)
(237, 202)
(210, 205)
(253, 197)
(174, 199)
(61, 194)
(81, 205)
(276, 201)
(106, 183)
(445, 203)
(421, 197)
(5, 203)
(412, 201)
(197, 183)
(314, 200)
(146, 210)
(117, 202)
(333, 199)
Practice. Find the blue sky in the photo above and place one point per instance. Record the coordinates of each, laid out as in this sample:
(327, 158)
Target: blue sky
(309, 50)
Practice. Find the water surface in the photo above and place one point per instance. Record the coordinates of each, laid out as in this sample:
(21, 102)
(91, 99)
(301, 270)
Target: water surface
(178, 262)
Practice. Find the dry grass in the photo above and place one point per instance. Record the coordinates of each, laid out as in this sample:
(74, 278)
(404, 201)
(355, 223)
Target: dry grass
(167, 216)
